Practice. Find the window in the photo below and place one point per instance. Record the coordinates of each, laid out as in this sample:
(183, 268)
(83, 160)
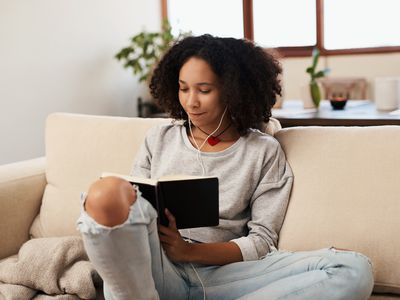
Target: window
(205, 17)
(271, 29)
(361, 23)
(294, 27)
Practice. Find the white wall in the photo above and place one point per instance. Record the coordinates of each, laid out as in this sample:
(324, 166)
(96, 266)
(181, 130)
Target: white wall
(366, 65)
(57, 55)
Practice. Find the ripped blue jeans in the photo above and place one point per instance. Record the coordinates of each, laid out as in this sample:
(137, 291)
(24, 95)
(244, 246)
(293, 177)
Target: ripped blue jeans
(133, 265)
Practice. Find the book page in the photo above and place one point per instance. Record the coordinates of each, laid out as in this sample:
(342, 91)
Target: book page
(154, 181)
(182, 177)
(131, 178)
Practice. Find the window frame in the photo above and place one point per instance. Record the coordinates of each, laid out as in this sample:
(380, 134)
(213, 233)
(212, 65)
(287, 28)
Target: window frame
(248, 28)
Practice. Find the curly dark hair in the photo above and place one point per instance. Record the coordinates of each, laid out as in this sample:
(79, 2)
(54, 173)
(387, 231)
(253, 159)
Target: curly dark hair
(248, 75)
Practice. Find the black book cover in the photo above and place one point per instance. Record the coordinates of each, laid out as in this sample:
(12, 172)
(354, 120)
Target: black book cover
(194, 201)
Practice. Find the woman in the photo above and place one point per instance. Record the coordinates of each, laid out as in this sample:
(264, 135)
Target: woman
(222, 89)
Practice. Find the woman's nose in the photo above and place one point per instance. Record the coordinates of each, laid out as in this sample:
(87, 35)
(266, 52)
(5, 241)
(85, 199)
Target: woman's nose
(192, 100)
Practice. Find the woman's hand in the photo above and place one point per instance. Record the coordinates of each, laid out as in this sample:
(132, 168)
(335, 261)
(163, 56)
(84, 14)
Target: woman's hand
(175, 247)
(178, 250)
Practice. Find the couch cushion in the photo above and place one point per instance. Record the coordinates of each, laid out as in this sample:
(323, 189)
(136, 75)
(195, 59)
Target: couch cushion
(78, 149)
(346, 193)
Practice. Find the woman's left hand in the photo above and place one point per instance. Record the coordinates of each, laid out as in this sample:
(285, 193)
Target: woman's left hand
(175, 247)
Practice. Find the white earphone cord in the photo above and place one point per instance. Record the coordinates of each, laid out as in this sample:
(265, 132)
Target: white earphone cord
(204, 142)
(203, 171)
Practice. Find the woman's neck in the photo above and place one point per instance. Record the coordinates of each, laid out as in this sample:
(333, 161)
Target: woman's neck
(226, 133)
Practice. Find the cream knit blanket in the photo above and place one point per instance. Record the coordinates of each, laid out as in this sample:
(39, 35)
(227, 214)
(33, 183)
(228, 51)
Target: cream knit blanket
(49, 268)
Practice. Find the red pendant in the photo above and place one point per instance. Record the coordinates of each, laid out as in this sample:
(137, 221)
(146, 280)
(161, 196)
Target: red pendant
(213, 140)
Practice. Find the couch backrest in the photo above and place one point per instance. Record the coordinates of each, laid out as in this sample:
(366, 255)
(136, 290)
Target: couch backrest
(346, 193)
(78, 149)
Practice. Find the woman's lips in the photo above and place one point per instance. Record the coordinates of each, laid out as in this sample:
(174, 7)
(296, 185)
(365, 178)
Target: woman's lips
(195, 115)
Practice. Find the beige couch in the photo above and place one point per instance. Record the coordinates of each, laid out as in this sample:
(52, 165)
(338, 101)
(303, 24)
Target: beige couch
(346, 191)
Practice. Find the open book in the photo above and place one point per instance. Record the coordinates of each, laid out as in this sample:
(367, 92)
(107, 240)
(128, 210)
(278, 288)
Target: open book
(193, 200)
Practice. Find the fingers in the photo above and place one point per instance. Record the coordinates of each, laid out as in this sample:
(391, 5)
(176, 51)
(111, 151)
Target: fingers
(166, 230)
(166, 239)
(168, 236)
(171, 219)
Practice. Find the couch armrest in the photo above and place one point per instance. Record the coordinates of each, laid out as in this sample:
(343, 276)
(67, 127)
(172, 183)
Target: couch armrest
(21, 189)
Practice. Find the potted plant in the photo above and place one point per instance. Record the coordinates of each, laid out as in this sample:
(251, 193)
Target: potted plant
(313, 85)
(142, 55)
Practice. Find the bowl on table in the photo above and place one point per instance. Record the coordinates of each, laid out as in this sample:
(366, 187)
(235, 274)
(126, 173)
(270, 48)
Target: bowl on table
(338, 102)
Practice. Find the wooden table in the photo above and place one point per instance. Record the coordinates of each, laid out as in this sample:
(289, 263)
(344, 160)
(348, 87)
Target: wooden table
(355, 113)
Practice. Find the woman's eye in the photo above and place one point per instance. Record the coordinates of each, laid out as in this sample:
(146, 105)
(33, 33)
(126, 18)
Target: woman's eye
(205, 91)
(183, 89)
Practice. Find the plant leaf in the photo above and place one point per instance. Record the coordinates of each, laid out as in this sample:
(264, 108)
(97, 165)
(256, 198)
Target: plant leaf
(319, 74)
(315, 55)
(146, 48)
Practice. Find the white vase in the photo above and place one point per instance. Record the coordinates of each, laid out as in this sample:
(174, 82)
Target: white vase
(305, 94)
(387, 93)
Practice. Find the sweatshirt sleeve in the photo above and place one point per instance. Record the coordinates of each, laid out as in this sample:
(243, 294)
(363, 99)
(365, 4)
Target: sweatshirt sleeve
(142, 163)
(268, 206)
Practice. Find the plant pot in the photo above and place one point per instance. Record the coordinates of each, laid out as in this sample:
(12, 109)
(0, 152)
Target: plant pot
(306, 96)
(315, 93)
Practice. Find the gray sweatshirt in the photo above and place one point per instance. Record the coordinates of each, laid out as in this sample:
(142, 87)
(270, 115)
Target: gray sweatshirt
(254, 184)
